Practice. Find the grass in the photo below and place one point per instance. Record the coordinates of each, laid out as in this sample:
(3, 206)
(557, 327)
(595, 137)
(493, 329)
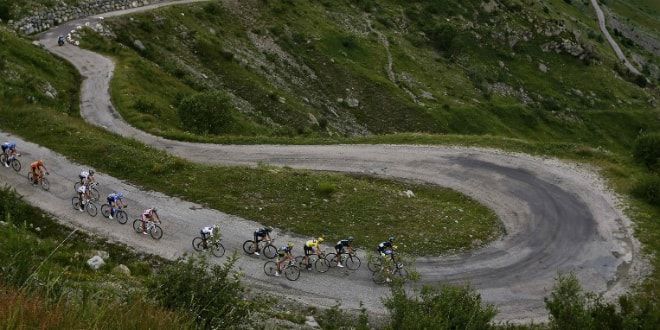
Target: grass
(366, 208)
(573, 102)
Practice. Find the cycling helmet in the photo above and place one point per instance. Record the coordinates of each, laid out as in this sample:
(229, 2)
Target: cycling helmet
(268, 229)
(120, 195)
(350, 238)
(12, 144)
(91, 171)
(290, 245)
(320, 239)
(391, 239)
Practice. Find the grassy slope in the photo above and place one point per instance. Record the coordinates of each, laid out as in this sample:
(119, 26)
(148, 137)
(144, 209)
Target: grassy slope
(244, 57)
(291, 199)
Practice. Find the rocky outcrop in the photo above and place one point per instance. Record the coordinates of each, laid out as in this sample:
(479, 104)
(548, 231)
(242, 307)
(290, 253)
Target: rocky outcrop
(41, 20)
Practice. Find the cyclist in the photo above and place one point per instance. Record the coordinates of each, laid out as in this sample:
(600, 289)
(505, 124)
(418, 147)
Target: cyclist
(9, 150)
(312, 246)
(262, 234)
(83, 196)
(86, 177)
(115, 200)
(284, 254)
(38, 169)
(386, 248)
(209, 232)
(149, 215)
(342, 247)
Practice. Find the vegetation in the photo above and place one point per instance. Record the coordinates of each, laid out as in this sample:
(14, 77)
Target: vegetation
(572, 308)
(294, 200)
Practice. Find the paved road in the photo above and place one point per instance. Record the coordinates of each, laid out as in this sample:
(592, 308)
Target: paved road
(559, 217)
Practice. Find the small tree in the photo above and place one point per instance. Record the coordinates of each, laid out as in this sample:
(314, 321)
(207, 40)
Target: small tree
(206, 113)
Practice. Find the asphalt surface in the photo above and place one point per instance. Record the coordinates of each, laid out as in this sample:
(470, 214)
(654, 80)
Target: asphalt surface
(559, 217)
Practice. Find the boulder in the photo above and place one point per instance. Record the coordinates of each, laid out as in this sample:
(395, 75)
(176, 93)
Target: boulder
(122, 269)
(95, 262)
(543, 68)
(139, 45)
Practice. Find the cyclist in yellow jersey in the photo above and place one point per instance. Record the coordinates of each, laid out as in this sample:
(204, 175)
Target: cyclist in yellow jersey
(312, 247)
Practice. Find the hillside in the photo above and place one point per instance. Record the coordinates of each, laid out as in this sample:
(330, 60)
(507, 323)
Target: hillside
(329, 68)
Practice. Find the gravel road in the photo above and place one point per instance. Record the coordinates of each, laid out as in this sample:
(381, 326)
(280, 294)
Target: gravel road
(558, 216)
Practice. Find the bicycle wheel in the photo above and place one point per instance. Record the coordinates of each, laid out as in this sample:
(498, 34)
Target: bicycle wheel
(375, 264)
(332, 259)
(217, 249)
(292, 272)
(29, 176)
(121, 217)
(156, 232)
(91, 209)
(45, 185)
(137, 226)
(299, 261)
(94, 194)
(401, 271)
(352, 262)
(269, 251)
(16, 165)
(379, 277)
(105, 210)
(76, 185)
(3, 158)
(75, 203)
(270, 268)
(322, 265)
(249, 247)
(198, 244)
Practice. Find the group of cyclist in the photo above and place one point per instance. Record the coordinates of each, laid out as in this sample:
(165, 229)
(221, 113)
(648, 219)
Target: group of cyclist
(116, 201)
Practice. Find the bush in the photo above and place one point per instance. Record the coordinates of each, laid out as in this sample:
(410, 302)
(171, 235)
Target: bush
(648, 188)
(571, 308)
(212, 293)
(206, 113)
(647, 150)
(335, 318)
(5, 10)
(442, 37)
(448, 307)
(326, 188)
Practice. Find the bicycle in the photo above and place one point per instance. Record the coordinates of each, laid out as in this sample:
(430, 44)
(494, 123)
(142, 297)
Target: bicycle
(375, 263)
(93, 193)
(43, 182)
(153, 229)
(88, 206)
(269, 250)
(120, 214)
(320, 263)
(290, 270)
(13, 161)
(217, 249)
(350, 260)
(386, 274)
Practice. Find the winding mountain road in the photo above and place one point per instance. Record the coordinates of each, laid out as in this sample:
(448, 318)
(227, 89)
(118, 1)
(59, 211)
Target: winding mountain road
(559, 217)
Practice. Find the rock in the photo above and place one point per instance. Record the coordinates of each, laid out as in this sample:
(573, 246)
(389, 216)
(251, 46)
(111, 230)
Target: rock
(95, 262)
(122, 269)
(310, 321)
(352, 102)
(408, 193)
(139, 45)
(543, 68)
(427, 95)
(2, 223)
(100, 253)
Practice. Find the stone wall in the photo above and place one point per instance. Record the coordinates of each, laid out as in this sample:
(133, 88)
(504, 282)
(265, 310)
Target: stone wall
(44, 19)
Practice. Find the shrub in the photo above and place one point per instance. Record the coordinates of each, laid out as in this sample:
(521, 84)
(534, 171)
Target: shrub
(212, 293)
(442, 37)
(647, 150)
(146, 106)
(571, 308)
(326, 188)
(648, 188)
(5, 10)
(335, 318)
(206, 113)
(447, 307)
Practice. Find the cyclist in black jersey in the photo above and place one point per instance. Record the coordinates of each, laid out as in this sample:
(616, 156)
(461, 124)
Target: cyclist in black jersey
(386, 248)
(343, 246)
(261, 234)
